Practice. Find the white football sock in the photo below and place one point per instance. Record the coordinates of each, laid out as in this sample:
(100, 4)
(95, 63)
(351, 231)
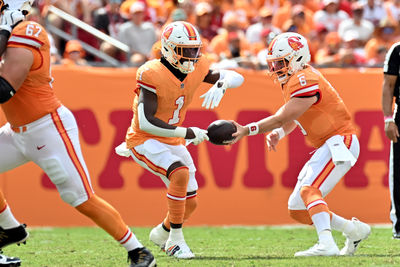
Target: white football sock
(7, 219)
(341, 224)
(130, 242)
(176, 234)
(322, 221)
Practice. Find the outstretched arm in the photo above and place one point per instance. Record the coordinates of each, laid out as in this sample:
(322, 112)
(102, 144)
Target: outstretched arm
(293, 109)
(222, 80)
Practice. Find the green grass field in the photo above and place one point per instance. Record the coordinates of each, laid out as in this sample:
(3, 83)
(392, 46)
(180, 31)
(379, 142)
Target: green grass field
(213, 246)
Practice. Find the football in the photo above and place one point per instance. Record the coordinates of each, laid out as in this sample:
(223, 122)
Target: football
(220, 131)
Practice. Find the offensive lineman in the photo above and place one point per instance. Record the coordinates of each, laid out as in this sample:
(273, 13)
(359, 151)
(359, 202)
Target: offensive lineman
(156, 139)
(315, 107)
(42, 130)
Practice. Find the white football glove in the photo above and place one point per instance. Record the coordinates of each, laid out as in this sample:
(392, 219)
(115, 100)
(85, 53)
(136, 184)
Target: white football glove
(200, 135)
(214, 95)
(10, 18)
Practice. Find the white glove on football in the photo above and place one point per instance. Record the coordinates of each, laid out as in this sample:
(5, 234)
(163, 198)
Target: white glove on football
(10, 18)
(200, 135)
(214, 95)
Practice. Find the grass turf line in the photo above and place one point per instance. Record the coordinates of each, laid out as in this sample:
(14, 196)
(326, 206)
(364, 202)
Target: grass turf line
(213, 246)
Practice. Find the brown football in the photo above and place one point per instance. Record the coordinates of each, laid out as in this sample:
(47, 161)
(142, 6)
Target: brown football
(220, 131)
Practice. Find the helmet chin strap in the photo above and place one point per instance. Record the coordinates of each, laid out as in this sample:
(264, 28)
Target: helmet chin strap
(186, 67)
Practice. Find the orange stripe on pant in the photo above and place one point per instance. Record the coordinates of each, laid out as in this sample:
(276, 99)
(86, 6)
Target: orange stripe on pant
(149, 164)
(72, 153)
(324, 174)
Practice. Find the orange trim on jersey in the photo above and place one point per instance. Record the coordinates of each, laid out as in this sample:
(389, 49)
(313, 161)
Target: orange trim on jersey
(33, 47)
(71, 152)
(150, 164)
(323, 174)
(191, 31)
(348, 139)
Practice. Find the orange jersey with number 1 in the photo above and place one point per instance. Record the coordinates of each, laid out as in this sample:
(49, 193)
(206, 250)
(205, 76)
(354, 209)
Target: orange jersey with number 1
(173, 98)
(35, 98)
(328, 116)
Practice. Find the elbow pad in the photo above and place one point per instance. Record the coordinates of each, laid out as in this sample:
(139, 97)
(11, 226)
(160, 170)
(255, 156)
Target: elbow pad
(147, 126)
(6, 90)
(233, 78)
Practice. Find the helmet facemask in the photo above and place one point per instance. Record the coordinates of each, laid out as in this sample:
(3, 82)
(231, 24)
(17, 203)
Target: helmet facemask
(279, 69)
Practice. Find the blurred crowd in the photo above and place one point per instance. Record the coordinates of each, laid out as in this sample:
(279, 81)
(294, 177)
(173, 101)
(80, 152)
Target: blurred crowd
(235, 33)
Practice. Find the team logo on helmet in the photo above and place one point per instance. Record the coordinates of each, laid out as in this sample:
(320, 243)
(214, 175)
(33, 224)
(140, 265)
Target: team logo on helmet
(295, 43)
(167, 32)
(191, 31)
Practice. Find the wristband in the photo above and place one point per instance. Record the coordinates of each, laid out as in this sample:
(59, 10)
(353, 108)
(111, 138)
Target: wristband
(280, 132)
(388, 119)
(253, 128)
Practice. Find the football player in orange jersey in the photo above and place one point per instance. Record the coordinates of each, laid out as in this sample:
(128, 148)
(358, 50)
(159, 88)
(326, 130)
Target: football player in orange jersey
(42, 130)
(156, 140)
(312, 104)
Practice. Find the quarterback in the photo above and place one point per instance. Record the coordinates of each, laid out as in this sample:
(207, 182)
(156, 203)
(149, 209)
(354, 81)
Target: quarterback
(156, 139)
(313, 105)
(40, 129)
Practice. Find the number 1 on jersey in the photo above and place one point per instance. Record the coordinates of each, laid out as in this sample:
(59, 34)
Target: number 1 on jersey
(179, 103)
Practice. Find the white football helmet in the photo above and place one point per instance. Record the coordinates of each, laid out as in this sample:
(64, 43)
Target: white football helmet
(287, 53)
(180, 45)
(23, 5)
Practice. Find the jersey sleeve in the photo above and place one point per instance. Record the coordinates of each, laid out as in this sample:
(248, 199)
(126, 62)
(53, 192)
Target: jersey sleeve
(145, 78)
(32, 36)
(303, 84)
(391, 65)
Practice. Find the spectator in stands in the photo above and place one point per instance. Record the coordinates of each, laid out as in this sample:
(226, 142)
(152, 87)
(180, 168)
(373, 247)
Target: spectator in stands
(138, 35)
(189, 7)
(74, 54)
(253, 33)
(108, 20)
(364, 27)
(204, 24)
(297, 23)
(379, 58)
(384, 36)
(317, 39)
(331, 16)
(220, 45)
(328, 56)
(374, 11)
(393, 11)
(352, 51)
(284, 13)
(261, 49)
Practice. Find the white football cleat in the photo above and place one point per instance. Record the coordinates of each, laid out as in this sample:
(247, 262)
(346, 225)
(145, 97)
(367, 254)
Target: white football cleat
(178, 249)
(361, 232)
(159, 236)
(319, 249)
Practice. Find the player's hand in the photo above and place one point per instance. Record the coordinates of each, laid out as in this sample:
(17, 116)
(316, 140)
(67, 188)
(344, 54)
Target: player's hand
(272, 140)
(214, 95)
(241, 131)
(391, 131)
(10, 18)
(199, 135)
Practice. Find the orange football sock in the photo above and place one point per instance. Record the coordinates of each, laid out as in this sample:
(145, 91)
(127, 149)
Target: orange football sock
(176, 194)
(105, 216)
(190, 206)
(313, 200)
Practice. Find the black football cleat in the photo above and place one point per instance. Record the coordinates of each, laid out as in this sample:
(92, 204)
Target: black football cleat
(141, 257)
(16, 235)
(9, 261)
(396, 236)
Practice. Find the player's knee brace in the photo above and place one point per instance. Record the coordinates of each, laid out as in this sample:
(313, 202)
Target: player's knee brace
(301, 216)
